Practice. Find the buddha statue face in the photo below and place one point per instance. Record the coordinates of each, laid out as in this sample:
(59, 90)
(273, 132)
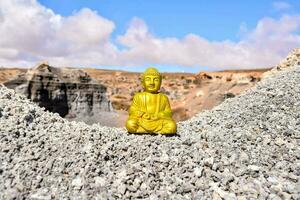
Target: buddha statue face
(151, 80)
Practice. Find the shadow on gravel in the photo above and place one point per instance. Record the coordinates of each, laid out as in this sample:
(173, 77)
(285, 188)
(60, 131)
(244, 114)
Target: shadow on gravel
(154, 134)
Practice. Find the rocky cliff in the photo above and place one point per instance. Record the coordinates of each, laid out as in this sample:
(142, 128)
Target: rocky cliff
(70, 92)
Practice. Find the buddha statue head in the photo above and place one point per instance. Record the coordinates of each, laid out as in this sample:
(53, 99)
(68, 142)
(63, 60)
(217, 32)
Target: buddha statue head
(151, 80)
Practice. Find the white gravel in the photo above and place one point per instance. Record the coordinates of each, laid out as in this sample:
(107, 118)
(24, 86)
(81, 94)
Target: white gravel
(245, 148)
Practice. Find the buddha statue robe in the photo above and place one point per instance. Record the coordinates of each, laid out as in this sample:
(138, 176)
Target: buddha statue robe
(150, 113)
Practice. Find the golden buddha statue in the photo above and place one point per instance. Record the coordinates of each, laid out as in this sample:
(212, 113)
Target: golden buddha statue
(150, 111)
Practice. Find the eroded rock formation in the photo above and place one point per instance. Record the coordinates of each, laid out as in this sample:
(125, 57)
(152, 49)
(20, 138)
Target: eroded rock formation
(70, 92)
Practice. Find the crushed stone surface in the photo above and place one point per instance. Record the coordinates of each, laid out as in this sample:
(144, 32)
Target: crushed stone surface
(245, 148)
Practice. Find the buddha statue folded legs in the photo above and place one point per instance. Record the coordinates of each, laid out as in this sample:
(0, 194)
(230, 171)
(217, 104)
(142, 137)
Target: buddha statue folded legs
(162, 127)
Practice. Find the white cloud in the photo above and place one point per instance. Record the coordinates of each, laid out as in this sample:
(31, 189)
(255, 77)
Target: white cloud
(29, 33)
(281, 5)
(35, 33)
(86, 28)
(264, 46)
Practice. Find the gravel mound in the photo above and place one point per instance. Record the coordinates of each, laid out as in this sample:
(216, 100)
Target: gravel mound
(246, 148)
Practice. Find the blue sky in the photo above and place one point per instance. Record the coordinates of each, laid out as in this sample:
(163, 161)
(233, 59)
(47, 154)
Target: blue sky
(173, 35)
(214, 19)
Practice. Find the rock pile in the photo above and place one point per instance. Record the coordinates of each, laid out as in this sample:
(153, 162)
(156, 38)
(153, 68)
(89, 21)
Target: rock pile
(291, 60)
(245, 148)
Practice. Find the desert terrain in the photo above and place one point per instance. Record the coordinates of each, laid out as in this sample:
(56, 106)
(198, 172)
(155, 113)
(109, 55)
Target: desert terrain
(188, 93)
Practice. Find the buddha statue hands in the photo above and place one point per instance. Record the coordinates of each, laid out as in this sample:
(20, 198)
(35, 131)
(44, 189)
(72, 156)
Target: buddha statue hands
(147, 116)
(150, 111)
